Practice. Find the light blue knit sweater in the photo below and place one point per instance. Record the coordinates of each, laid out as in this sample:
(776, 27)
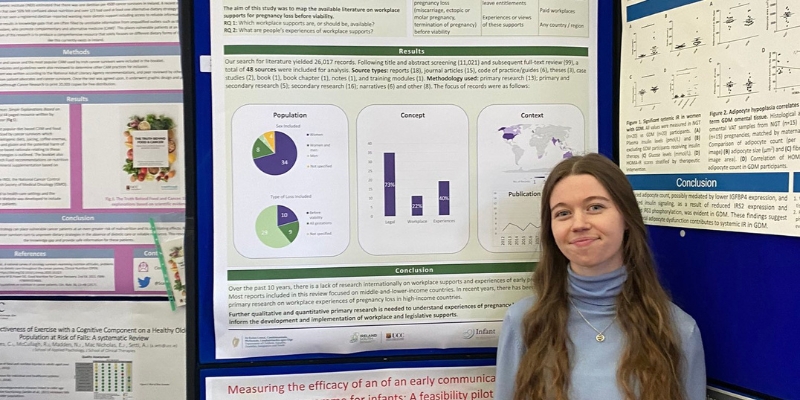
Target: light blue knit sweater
(594, 364)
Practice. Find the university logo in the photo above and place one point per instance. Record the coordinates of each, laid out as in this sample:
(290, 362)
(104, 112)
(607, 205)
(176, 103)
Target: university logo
(391, 337)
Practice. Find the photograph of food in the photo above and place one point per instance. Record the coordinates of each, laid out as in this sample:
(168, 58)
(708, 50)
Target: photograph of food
(149, 122)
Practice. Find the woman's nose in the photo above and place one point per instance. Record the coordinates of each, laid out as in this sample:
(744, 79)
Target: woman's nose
(579, 222)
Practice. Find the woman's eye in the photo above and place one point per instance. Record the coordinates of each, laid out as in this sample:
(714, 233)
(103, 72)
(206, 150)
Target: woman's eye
(596, 207)
(561, 213)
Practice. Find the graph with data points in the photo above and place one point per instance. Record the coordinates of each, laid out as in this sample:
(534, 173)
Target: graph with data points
(785, 15)
(737, 22)
(515, 218)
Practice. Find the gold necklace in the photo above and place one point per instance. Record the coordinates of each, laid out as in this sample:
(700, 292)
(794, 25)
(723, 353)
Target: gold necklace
(600, 334)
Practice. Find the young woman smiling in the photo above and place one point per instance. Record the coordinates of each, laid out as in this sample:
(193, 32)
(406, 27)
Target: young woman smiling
(599, 325)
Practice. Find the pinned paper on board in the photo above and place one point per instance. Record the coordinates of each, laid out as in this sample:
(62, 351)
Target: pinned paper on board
(172, 250)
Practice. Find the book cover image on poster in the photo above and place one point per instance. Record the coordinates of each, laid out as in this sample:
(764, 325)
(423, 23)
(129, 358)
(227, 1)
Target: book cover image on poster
(151, 151)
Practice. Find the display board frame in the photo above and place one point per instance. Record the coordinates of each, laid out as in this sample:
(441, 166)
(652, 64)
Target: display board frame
(719, 296)
(200, 109)
(720, 293)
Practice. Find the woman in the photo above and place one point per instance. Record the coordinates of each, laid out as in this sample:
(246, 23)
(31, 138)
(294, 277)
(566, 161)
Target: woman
(599, 325)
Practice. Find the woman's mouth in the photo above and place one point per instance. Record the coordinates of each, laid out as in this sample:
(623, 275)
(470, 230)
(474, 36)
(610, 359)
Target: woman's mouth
(585, 241)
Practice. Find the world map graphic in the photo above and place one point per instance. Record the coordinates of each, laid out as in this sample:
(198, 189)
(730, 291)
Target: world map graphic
(536, 146)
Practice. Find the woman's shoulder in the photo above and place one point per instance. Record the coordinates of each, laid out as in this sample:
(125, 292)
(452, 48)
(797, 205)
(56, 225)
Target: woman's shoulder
(684, 323)
(517, 310)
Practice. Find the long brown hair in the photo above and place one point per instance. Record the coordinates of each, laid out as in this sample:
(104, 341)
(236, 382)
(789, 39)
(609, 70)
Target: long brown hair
(649, 367)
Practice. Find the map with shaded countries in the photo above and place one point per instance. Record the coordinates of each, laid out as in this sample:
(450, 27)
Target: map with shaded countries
(541, 140)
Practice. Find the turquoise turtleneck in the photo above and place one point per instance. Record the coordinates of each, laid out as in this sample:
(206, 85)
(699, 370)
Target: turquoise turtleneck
(594, 364)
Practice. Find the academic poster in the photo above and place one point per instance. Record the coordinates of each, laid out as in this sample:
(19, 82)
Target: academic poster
(709, 100)
(378, 167)
(85, 350)
(91, 145)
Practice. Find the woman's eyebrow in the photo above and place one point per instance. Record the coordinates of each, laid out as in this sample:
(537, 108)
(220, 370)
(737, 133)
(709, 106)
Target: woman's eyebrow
(586, 200)
(593, 198)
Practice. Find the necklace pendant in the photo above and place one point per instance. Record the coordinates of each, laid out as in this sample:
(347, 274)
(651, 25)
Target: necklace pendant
(600, 337)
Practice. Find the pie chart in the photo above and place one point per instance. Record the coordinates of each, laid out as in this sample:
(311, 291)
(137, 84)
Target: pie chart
(274, 153)
(277, 226)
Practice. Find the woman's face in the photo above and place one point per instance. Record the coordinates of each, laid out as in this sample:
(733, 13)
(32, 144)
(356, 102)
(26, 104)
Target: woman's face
(587, 226)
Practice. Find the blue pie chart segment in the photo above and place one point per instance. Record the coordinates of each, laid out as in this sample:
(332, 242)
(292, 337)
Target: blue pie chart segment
(280, 153)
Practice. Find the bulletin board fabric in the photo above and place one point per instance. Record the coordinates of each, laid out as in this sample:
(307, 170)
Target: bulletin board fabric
(741, 290)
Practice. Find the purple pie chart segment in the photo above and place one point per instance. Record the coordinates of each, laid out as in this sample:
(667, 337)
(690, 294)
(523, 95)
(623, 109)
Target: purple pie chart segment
(285, 216)
(282, 156)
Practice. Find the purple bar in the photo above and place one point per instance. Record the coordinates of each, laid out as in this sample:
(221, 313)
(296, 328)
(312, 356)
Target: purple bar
(444, 197)
(416, 205)
(388, 185)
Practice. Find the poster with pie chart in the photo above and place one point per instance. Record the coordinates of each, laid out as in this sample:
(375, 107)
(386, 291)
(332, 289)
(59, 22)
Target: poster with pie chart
(290, 181)
(274, 153)
(277, 226)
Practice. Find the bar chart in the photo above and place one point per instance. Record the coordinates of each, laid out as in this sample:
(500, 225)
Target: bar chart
(390, 194)
(413, 180)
